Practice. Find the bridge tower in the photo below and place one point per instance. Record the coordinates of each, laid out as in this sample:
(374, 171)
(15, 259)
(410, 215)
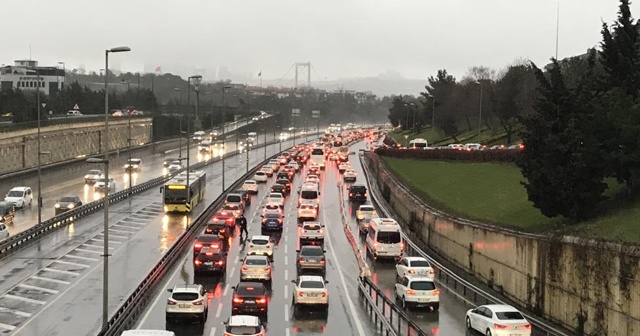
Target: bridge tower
(300, 65)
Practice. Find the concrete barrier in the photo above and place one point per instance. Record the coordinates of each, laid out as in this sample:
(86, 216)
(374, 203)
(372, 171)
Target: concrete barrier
(589, 287)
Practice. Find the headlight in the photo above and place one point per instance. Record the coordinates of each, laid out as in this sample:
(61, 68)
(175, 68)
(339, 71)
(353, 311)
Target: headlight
(135, 166)
(126, 166)
(166, 208)
(57, 205)
(70, 206)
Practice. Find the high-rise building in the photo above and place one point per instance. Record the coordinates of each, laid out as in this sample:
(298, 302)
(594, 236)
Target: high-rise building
(26, 75)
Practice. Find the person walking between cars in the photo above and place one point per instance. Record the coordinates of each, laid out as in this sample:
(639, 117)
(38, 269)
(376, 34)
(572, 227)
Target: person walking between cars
(243, 225)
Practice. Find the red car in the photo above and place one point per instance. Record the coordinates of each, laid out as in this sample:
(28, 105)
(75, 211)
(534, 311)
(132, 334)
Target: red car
(228, 217)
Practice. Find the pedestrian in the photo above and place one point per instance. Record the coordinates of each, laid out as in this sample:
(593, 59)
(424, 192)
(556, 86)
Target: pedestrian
(243, 225)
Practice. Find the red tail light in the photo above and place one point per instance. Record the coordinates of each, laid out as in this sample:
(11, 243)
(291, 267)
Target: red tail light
(350, 194)
(301, 260)
(435, 292)
(171, 302)
(215, 246)
(411, 292)
(300, 294)
(499, 326)
(197, 262)
(526, 326)
(220, 262)
(411, 271)
(198, 245)
(198, 303)
(244, 269)
(402, 245)
(325, 294)
(322, 262)
(222, 230)
(209, 254)
(365, 194)
(237, 300)
(261, 301)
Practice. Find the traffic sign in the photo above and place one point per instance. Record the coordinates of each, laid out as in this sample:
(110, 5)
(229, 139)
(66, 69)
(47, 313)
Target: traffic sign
(44, 104)
(76, 107)
(295, 112)
(315, 114)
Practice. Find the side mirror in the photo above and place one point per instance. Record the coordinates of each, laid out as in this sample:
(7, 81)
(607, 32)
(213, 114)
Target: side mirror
(161, 189)
(226, 254)
(297, 251)
(324, 251)
(326, 281)
(224, 323)
(233, 287)
(170, 290)
(262, 216)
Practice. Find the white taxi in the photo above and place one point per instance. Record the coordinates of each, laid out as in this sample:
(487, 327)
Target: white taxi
(350, 175)
(366, 210)
(310, 291)
(498, 320)
(250, 186)
(307, 212)
(187, 301)
(417, 292)
(260, 245)
(244, 325)
(413, 266)
(276, 198)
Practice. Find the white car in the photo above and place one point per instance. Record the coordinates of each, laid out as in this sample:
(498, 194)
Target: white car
(19, 197)
(271, 208)
(250, 186)
(260, 245)
(498, 320)
(101, 184)
(256, 268)
(295, 165)
(414, 266)
(343, 166)
(312, 232)
(175, 166)
(349, 175)
(307, 212)
(238, 325)
(312, 179)
(276, 198)
(366, 210)
(417, 292)
(310, 291)
(187, 301)
(260, 177)
(92, 176)
(267, 169)
(275, 166)
(4, 231)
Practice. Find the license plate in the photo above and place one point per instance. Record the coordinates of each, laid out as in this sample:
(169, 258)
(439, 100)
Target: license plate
(250, 301)
(313, 294)
(208, 263)
(184, 306)
(313, 261)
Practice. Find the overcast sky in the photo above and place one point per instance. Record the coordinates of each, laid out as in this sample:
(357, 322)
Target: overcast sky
(341, 38)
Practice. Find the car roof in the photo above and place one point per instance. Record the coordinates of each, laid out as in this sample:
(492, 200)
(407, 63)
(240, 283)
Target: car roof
(186, 288)
(20, 188)
(250, 181)
(243, 320)
(314, 224)
(208, 237)
(274, 194)
(260, 237)
(419, 278)
(500, 308)
(311, 278)
(206, 250)
(310, 247)
(416, 258)
(245, 284)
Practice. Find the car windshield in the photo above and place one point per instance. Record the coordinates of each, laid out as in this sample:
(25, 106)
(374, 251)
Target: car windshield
(317, 151)
(260, 241)
(388, 237)
(260, 173)
(366, 208)
(420, 263)
(67, 200)
(274, 195)
(249, 182)
(422, 285)
(308, 194)
(15, 193)
(176, 163)
(312, 284)
(256, 262)
(234, 198)
(272, 215)
(358, 189)
(184, 296)
(94, 172)
(242, 330)
(509, 315)
(172, 196)
(312, 252)
(135, 162)
(250, 289)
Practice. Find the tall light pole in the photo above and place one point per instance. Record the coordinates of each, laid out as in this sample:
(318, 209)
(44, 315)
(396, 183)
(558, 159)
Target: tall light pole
(197, 79)
(64, 81)
(105, 234)
(180, 125)
(224, 109)
(265, 142)
(40, 153)
(480, 110)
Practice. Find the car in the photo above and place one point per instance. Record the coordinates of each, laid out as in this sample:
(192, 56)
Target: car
(236, 209)
(246, 196)
(307, 212)
(187, 301)
(260, 177)
(114, 114)
(364, 224)
(226, 216)
(283, 160)
(273, 221)
(349, 175)
(241, 325)
(4, 231)
(285, 182)
(417, 291)
(311, 258)
(7, 213)
(19, 196)
(167, 162)
(497, 320)
(343, 166)
(256, 268)
(218, 227)
(312, 233)
(310, 291)
(271, 208)
(366, 210)
(414, 266)
(290, 170)
(198, 136)
(175, 165)
(267, 169)
(102, 185)
(210, 260)
(209, 240)
(312, 178)
(260, 245)
(296, 166)
(333, 157)
(275, 166)
(279, 188)
(314, 168)
(92, 176)
(74, 113)
(250, 298)
(357, 193)
(133, 165)
(283, 175)
(67, 203)
(251, 186)
(276, 198)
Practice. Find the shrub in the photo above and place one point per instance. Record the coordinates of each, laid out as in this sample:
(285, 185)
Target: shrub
(497, 155)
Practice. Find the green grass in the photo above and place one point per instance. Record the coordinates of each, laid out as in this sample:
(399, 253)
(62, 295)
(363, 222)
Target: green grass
(429, 134)
(492, 193)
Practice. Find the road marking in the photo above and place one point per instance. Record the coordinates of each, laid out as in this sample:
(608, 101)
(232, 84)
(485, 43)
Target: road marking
(6, 326)
(213, 332)
(286, 291)
(158, 297)
(97, 246)
(219, 310)
(88, 251)
(70, 263)
(286, 275)
(15, 312)
(81, 258)
(62, 282)
(286, 238)
(286, 249)
(42, 289)
(48, 269)
(124, 226)
(110, 241)
(235, 261)
(116, 230)
(286, 260)
(111, 235)
(233, 269)
(20, 298)
(286, 313)
(354, 313)
(226, 290)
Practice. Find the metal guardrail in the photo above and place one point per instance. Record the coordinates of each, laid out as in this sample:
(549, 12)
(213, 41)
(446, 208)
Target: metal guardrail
(24, 238)
(463, 289)
(131, 309)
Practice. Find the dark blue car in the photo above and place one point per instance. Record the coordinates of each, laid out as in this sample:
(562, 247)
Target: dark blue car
(272, 221)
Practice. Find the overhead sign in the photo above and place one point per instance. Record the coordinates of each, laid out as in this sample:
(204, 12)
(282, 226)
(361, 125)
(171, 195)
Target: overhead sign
(295, 112)
(76, 107)
(315, 114)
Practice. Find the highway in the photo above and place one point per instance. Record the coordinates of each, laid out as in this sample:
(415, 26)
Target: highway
(346, 314)
(69, 180)
(54, 286)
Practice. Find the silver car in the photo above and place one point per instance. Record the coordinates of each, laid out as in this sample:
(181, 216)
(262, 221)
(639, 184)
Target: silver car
(256, 268)
(261, 246)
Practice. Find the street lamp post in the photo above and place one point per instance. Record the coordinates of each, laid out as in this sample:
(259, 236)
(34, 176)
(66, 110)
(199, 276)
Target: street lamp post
(197, 79)
(40, 153)
(265, 142)
(130, 170)
(105, 234)
(180, 125)
(480, 111)
(224, 109)
(64, 81)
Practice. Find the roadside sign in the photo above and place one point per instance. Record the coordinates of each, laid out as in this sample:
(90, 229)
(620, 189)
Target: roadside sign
(406, 136)
(315, 114)
(44, 104)
(76, 107)
(295, 112)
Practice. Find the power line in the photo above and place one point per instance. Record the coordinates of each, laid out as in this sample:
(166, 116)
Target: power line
(278, 81)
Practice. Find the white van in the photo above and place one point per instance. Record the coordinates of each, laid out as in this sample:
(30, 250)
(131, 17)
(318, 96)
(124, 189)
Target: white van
(317, 156)
(142, 332)
(309, 195)
(384, 239)
(418, 143)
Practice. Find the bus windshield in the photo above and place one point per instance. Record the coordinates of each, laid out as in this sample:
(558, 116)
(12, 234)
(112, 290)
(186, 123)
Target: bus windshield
(308, 194)
(389, 237)
(172, 196)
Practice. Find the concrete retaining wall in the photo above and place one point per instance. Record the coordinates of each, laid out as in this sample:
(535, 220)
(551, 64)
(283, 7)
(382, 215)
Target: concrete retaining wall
(592, 288)
(20, 151)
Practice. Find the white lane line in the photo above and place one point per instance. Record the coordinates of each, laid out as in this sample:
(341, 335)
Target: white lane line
(48, 269)
(62, 282)
(287, 332)
(158, 297)
(97, 246)
(15, 312)
(111, 235)
(124, 226)
(42, 289)
(286, 291)
(121, 231)
(6, 326)
(80, 257)
(354, 314)
(20, 298)
(213, 332)
(219, 310)
(286, 238)
(102, 241)
(71, 263)
(226, 290)
(286, 313)
(88, 251)
(286, 260)
(286, 275)
(235, 261)
(233, 269)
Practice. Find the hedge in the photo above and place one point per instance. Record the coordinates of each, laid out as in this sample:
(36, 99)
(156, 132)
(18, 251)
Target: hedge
(496, 155)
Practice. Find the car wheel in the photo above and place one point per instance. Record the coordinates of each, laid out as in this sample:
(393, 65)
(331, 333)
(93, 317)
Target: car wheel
(404, 303)
(488, 332)
(468, 323)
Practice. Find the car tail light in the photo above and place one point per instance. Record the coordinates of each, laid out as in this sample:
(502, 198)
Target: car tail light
(435, 292)
(250, 245)
(197, 262)
(237, 300)
(499, 326)
(208, 230)
(280, 220)
(171, 302)
(431, 271)
(411, 292)
(401, 245)
(322, 261)
(215, 219)
(261, 301)
(198, 303)
(301, 260)
(222, 230)
(266, 269)
(526, 326)
(411, 271)
(245, 269)
(325, 294)
(215, 246)
(209, 254)
(198, 245)
(300, 294)
(350, 194)
(365, 194)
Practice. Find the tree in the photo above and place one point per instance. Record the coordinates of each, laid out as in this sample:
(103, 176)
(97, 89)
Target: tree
(562, 160)
(513, 98)
(398, 111)
(439, 89)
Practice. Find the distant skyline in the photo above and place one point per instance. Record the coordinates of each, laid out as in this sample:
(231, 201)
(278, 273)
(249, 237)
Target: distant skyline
(341, 38)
